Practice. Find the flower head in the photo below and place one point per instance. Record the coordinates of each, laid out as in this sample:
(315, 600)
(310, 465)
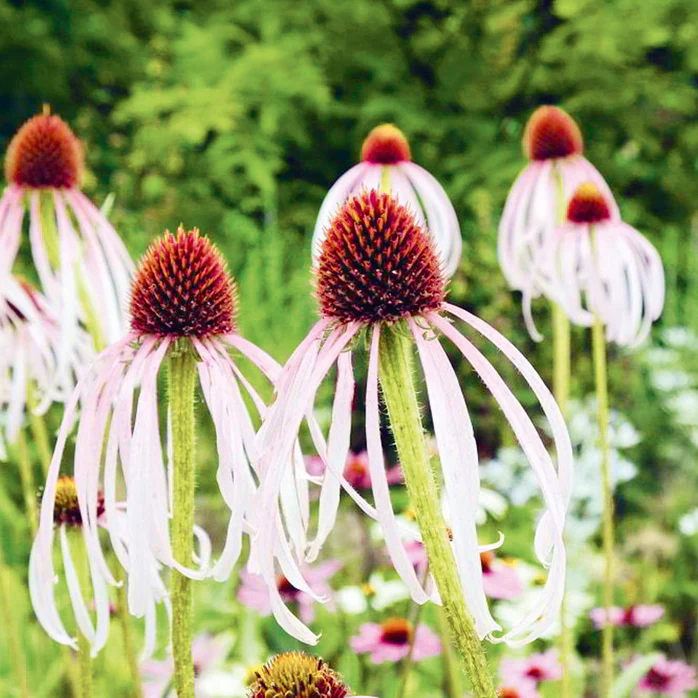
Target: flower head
(500, 580)
(386, 165)
(66, 508)
(299, 675)
(377, 264)
(390, 641)
(551, 133)
(182, 288)
(633, 616)
(588, 205)
(535, 668)
(669, 678)
(522, 689)
(44, 154)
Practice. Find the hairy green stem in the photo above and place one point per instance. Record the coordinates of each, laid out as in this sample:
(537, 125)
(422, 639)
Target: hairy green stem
(400, 396)
(129, 649)
(600, 375)
(182, 384)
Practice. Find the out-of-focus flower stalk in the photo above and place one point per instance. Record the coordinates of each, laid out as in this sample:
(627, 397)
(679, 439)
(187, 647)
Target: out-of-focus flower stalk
(20, 452)
(129, 649)
(11, 629)
(38, 429)
(395, 368)
(182, 382)
(82, 566)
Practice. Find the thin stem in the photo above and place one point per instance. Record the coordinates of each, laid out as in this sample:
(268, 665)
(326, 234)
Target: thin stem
(600, 375)
(85, 669)
(395, 367)
(129, 649)
(561, 389)
(38, 429)
(182, 383)
(26, 474)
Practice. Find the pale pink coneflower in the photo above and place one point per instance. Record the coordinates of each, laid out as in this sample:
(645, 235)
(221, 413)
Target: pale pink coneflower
(31, 341)
(356, 470)
(597, 265)
(540, 667)
(535, 205)
(639, 616)
(253, 591)
(390, 641)
(669, 678)
(82, 264)
(386, 165)
(377, 268)
(182, 299)
(521, 689)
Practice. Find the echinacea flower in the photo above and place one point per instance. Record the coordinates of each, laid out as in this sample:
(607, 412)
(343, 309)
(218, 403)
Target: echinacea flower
(669, 678)
(390, 641)
(356, 470)
(253, 592)
(386, 165)
(83, 265)
(634, 616)
(597, 266)
(30, 377)
(299, 675)
(378, 272)
(182, 300)
(538, 667)
(521, 689)
(535, 205)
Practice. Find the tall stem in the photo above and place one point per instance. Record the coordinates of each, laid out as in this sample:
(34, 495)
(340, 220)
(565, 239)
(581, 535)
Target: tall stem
(561, 389)
(85, 669)
(38, 429)
(26, 474)
(182, 383)
(395, 367)
(129, 649)
(600, 375)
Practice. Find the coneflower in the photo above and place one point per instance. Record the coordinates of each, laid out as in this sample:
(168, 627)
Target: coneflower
(379, 278)
(183, 312)
(83, 265)
(386, 164)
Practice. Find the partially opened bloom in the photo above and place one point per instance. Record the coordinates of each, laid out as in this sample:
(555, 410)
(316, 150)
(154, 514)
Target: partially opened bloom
(182, 300)
(31, 345)
(536, 203)
(633, 616)
(596, 265)
(538, 667)
(253, 591)
(378, 272)
(386, 164)
(83, 265)
(390, 641)
(669, 678)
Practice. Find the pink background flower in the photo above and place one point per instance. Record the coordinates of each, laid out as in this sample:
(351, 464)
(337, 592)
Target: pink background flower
(390, 641)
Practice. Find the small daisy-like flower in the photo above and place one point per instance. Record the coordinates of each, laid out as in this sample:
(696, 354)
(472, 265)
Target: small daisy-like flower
(182, 300)
(386, 164)
(378, 272)
(634, 616)
(669, 678)
(536, 668)
(535, 205)
(356, 470)
(596, 265)
(31, 341)
(83, 265)
(390, 641)
(253, 591)
(299, 675)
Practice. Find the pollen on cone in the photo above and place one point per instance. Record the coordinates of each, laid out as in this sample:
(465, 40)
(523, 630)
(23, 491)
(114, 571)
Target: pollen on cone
(386, 145)
(66, 508)
(182, 288)
(588, 205)
(377, 264)
(44, 154)
(299, 675)
(396, 631)
(552, 133)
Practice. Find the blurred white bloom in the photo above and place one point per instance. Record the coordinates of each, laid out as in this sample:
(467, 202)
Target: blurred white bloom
(688, 525)
(670, 380)
(680, 337)
(383, 594)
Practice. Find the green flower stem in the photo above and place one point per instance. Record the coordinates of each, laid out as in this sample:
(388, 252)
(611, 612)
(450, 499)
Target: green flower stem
(11, 629)
(82, 566)
(400, 396)
(182, 383)
(85, 663)
(38, 429)
(26, 475)
(600, 375)
(129, 649)
(453, 687)
(561, 390)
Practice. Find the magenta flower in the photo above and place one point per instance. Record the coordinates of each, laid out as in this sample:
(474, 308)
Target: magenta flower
(356, 470)
(536, 668)
(390, 641)
(83, 265)
(182, 299)
(386, 164)
(633, 616)
(669, 678)
(254, 593)
(500, 580)
(554, 146)
(522, 689)
(597, 265)
(378, 267)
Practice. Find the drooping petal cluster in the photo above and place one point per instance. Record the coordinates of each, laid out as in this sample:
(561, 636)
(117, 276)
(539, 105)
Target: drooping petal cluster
(120, 446)
(386, 165)
(82, 264)
(368, 246)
